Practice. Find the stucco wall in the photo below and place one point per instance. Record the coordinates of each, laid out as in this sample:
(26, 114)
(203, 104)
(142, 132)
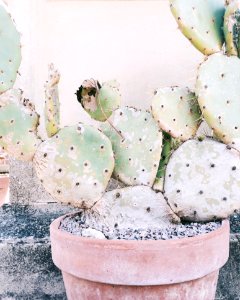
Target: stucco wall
(135, 42)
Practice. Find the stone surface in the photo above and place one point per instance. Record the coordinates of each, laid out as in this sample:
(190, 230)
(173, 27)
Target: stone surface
(26, 268)
(25, 187)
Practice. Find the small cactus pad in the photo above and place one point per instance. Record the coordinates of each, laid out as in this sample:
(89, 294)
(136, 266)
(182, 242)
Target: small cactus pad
(201, 21)
(169, 145)
(137, 145)
(218, 90)
(18, 126)
(202, 180)
(177, 112)
(231, 28)
(134, 207)
(52, 105)
(99, 101)
(75, 165)
(10, 50)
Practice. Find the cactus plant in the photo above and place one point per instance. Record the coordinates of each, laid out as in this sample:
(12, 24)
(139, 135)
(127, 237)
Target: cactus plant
(10, 50)
(18, 127)
(99, 101)
(177, 112)
(201, 21)
(137, 145)
(218, 96)
(232, 28)
(52, 104)
(75, 165)
(202, 180)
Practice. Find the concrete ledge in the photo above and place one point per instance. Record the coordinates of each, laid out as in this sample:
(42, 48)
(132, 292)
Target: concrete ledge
(26, 267)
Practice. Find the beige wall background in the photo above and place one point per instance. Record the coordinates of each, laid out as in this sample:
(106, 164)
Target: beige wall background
(135, 42)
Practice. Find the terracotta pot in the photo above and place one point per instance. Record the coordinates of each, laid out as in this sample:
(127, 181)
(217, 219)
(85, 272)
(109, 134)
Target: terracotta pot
(4, 185)
(135, 270)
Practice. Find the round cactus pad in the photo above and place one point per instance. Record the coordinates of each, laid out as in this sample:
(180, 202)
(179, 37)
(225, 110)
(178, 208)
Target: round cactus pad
(10, 50)
(137, 145)
(177, 112)
(203, 180)
(18, 129)
(201, 21)
(218, 90)
(75, 165)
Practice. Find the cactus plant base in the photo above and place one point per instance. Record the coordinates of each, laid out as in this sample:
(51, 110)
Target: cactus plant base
(4, 187)
(173, 269)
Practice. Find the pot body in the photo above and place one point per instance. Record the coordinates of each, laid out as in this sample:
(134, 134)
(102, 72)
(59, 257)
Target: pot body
(135, 270)
(4, 185)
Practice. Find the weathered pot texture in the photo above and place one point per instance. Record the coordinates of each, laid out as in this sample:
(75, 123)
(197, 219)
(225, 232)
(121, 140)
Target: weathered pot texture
(4, 185)
(179, 269)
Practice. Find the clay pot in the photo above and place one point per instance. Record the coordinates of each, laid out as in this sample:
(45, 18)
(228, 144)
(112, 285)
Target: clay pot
(136, 270)
(4, 185)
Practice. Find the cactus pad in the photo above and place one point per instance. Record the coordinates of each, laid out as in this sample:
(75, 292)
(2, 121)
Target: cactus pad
(177, 112)
(75, 165)
(99, 101)
(201, 21)
(10, 50)
(52, 105)
(137, 145)
(18, 126)
(231, 28)
(203, 180)
(218, 91)
(134, 207)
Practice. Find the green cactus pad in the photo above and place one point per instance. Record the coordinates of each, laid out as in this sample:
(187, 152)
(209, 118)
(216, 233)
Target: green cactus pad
(169, 145)
(18, 126)
(75, 165)
(52, 105)
(177, 112)
(137, 145)
(134, 207)
(218, 91)
(99, 101)
(203, 180)
(231, 28)
(201, 21)
(10, 50)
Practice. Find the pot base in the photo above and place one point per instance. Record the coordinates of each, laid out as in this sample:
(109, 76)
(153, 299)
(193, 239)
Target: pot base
(201, 289)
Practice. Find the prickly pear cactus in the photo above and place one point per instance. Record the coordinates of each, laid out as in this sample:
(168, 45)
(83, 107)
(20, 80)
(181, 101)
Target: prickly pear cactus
(177, 112)
(169, 145)
(75, 165)
(52, 105)
(99, 101)
(137, 145)
(201, 21)
(218, 91)
(10, 50)
(18, 126)
(203, 180)
(232, 28)
(134, 207)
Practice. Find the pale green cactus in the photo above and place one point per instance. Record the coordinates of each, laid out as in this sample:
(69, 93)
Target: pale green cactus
(118, 207)
(201, 21)
(177, 112)
(99, 101)
(202, 180)
(75, 165)
(232, 28)
(137, 145)
(18, 127)
(10, 50)
(52, 104)
(218, 93)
